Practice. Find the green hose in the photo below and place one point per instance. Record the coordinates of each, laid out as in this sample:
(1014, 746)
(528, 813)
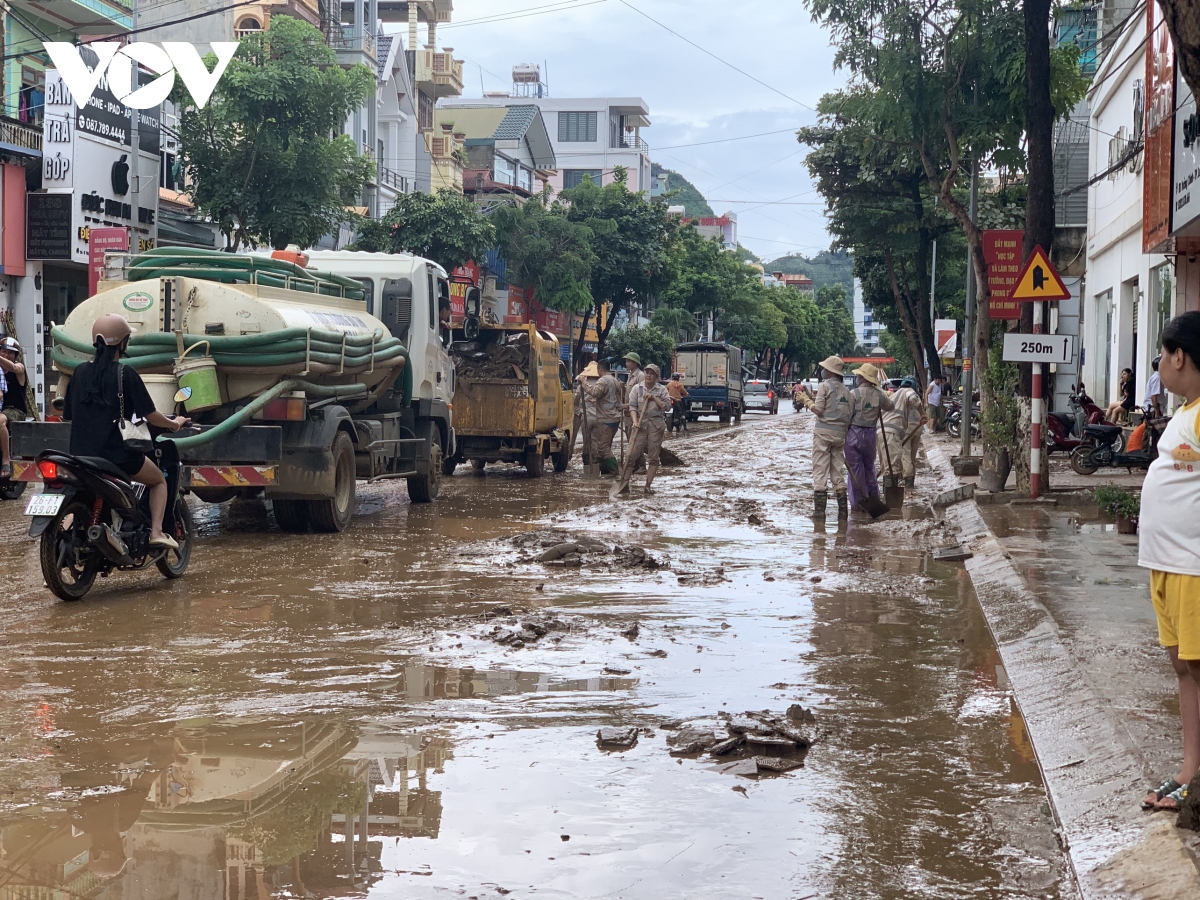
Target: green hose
(215, 265)
(243, 415)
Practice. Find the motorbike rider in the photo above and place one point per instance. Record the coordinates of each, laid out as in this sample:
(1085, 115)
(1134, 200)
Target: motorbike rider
(13, 407)
(92, 406)
(679, 393)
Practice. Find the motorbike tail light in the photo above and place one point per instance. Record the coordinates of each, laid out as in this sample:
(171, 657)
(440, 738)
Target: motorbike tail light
(48, 470)
(285, 409)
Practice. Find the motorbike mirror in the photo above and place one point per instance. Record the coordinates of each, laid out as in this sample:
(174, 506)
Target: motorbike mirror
(183, 395)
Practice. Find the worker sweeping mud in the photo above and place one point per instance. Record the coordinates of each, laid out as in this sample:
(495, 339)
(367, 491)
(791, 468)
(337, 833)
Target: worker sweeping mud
(861, 444)
(898, 452)
(833, 407)
(649, 403)
(604, 415)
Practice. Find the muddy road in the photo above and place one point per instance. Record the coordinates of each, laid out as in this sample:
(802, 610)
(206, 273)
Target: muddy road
(410, 709)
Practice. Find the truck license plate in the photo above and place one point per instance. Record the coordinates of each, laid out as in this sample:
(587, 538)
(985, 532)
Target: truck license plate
(520, 392)
(44, 505)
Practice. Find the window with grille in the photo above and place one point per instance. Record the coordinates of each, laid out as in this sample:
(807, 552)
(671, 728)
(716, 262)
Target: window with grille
(575, 127)
(574, 177)
(439, 146)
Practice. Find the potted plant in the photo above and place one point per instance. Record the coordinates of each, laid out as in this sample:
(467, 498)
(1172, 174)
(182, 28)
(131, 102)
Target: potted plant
(1121, 503)
(998, 421)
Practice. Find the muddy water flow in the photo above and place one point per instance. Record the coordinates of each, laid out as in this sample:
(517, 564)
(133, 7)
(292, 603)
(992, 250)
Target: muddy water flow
(376, 713)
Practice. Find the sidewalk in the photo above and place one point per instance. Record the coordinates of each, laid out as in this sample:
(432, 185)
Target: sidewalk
(1070, 611)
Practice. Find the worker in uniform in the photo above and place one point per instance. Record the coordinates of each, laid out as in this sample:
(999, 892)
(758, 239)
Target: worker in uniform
(649, 404)
(581, 423)
(13, 405)
(604, 416)
(637, 374)
(861, 440)
(900, 426)
(833, 407)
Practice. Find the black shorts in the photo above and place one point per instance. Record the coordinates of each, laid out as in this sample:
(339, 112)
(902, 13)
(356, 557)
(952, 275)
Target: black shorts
(131, 467)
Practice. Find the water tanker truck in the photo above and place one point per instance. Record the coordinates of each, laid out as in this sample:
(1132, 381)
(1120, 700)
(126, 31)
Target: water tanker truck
(300, 380)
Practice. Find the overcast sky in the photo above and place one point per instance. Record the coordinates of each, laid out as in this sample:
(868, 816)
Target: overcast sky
(604, 48)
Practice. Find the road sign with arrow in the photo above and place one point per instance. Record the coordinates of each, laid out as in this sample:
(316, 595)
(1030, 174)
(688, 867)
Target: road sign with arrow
(1038, 281)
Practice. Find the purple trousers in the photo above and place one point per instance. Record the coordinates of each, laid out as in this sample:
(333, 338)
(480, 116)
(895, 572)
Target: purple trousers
(860, 461)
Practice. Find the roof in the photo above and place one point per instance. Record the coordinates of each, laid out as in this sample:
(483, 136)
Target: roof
(383, 50)
(516, 122)
(489, 124)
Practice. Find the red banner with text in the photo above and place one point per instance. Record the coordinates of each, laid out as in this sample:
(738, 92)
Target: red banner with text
(1002, 255)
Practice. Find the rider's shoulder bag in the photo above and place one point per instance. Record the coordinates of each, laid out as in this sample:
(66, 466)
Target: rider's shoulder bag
(135, 437)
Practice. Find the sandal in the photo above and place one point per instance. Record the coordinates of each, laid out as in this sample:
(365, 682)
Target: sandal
(1176, 798)
(1167, 787)
(6, 471)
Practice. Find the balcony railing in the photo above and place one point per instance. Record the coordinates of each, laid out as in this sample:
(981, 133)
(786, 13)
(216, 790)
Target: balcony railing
(630, 142)
(393, 179)
(15, 133)
(354, 39)
(439, 73)
(240, 33)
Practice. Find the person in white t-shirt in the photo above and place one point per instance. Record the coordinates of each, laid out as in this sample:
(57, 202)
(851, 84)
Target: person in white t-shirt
(1169, 541)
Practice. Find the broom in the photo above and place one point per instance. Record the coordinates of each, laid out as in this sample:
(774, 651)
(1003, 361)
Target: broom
(893, 493)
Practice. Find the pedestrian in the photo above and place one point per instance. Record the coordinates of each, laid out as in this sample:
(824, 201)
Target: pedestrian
(1118, 410)
(1169, 542)
(604, 416)
(1154, 404)
(900, 426)
(13, 406)
(861, 444)
(933, 398)
(648, 404)
(833, 406)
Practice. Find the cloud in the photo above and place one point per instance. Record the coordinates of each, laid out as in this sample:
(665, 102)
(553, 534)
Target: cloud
(599, 49)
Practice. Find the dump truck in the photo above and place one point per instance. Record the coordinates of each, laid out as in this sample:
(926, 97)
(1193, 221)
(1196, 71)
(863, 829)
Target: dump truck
(513, 399)
(712, 374)
(300, 381)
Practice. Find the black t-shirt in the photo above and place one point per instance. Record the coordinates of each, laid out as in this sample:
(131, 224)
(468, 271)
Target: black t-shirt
(94, 424)
(14, 395)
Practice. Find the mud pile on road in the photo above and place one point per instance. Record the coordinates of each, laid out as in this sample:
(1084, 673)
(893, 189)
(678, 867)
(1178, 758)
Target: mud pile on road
(474, 359)
(751, 744)
(559, 549)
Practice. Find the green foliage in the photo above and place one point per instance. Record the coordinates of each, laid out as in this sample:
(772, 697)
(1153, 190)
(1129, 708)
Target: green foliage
(648, 341)
(547, 252)
(835, 305)
(825, 267)
(292, 827)
(1000, 415)
(265, 157)
(681, 192)
(1119, 501)
(677, 324)
(445, 227)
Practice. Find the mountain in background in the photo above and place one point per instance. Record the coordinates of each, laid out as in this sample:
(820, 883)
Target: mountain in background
(824, 268)
(683, 193)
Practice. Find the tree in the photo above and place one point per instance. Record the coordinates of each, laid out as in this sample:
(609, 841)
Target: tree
(547, 253)
(445, 227)
(630, 236)
(265, 158)
(647, 341)
(1183, 21)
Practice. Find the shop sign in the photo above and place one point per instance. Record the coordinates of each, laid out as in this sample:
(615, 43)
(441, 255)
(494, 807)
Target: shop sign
(100, 242)
(48, 226)
(1185, 189)
(1160, 106)
(1002, 256)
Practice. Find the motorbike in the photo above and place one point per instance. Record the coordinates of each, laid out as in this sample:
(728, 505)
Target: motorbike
(91, 520)
(679, 417)
(1100, 448)
(954, 421)
(1066, 430)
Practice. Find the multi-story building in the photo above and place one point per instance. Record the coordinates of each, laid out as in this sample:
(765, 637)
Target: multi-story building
(507, 149)
(591, 137)
(866, 328)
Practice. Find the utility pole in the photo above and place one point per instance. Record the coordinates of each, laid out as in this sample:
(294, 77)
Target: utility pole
(968, 374)
(135, 152)
(933, 302)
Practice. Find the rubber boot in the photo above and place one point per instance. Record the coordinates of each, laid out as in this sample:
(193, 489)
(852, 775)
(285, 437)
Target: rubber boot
(910, 482)
(843, 503)
(820, 504)
(651, 471)
(610, 466)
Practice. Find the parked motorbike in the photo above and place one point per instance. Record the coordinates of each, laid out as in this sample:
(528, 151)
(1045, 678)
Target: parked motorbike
(1100, 449)
(1066, 429)
(954, 421)
(92, 519)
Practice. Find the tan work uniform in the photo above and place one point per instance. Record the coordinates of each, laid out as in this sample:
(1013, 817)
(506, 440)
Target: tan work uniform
(604, 415)
(902, 421)
(833, 408)
(648, 439)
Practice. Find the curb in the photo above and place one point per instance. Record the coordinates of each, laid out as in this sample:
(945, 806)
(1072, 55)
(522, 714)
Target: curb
(1093, 773)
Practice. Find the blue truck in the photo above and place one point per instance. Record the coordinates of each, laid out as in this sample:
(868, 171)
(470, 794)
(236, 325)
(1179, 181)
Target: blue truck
(712, 374)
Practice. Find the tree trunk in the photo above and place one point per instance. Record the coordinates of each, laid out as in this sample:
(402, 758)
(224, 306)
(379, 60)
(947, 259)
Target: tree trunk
(587, 317)
(1183, 21)
(1039, 203)
(914, 345)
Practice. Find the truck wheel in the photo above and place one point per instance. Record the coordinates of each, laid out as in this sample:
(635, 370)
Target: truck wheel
(535, 463)
(450, 465)
(562, 459)
(723, 417)
(333, 514)
(424, 488)
(737, 414)
(477, 466)
(291, 515)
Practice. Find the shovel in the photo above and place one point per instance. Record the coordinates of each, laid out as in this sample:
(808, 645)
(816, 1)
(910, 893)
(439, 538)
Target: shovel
(871, 505)
(893, 493)
(591, 470)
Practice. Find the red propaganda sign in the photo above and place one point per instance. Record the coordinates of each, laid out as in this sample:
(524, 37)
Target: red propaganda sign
(518, 312)
(101, 241)
(1002, 255)
(551, 320)
(462, 280)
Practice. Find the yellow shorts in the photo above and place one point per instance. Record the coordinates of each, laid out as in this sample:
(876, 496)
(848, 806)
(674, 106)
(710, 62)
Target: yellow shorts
(1176, 601)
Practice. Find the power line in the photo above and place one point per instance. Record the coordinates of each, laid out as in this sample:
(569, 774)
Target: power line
(523, 13)
(714, 56)
(744, 137)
